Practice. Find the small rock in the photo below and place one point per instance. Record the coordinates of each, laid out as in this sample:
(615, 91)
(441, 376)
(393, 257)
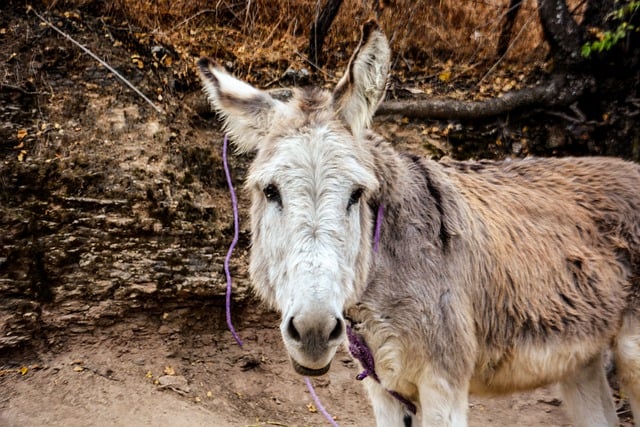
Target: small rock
(176, 383)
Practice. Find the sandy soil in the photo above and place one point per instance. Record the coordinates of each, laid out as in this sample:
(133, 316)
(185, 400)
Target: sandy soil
(118, 377)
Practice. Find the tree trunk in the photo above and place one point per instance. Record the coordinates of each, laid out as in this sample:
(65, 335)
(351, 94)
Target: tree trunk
(507, 26)
(596, 12)
(319, 30)
(561, 31)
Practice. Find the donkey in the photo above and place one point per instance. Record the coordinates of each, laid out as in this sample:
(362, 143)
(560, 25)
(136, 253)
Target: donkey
(488, 277)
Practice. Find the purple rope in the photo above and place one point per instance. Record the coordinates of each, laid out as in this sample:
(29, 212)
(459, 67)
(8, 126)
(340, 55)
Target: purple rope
(361, 352)
(234, 242)
(316, 400)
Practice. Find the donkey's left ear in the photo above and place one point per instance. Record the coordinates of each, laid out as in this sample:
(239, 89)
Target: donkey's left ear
(362, 88)
(248, 112)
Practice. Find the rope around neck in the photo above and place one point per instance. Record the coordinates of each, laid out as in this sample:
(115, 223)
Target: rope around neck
(234, 205)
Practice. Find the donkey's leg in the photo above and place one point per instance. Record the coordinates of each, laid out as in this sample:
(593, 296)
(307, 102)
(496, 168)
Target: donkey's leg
(627, 352)
(588, 398)
(387, 409)
(442, 404)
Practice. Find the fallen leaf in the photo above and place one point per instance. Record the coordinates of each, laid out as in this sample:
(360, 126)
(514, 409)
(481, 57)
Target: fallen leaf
(149, 374)
(166, 61)
(24, 370)
(21, 134)
(72, 15)
(312, 408)
(445, 76)
(508, 86)
(78, 368)
(414, 90)
(168, 370)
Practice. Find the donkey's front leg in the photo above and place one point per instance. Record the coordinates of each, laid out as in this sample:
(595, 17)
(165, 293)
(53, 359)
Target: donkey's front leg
(442, 403)
(388, 410)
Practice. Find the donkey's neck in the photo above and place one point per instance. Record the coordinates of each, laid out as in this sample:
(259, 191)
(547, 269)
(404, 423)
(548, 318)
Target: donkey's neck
(423, 227)
(419, 252)
(418, 200)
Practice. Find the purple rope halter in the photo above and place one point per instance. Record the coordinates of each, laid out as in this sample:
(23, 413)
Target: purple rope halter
(234, 242)
(360, 351)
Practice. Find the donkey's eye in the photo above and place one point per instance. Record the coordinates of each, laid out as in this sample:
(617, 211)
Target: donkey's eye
(272, 194)
(355, 197)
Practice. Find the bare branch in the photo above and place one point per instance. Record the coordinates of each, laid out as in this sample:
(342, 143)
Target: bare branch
(94, 56)
(556, 92)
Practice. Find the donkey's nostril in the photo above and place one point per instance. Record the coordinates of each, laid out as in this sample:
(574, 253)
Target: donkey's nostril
(292, 331)
(337, 330)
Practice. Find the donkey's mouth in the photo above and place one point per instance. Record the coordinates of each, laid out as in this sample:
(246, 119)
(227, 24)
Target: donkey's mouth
(308, 372)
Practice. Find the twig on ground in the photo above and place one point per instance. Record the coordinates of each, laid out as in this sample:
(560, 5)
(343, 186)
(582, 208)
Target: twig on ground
(268, 423)
(19, 89)
(94, 56)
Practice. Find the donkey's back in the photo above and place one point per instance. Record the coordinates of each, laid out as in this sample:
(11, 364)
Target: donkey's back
(558, 274)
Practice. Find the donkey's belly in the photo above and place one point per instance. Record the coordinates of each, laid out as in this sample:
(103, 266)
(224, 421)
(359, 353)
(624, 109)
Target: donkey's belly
(530, 366)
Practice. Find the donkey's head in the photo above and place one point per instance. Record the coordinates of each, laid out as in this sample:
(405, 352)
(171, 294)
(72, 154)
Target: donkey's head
(311, 182)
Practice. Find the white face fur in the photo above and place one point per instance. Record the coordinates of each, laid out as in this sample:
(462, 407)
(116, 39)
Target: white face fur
(310, 183)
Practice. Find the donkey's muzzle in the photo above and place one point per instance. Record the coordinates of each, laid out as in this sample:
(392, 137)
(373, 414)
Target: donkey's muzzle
(307, 372)
(312, 340)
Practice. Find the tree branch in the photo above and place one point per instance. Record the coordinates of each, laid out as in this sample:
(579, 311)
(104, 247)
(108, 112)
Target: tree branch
(507, 26)
(558, 91)
(562, 32)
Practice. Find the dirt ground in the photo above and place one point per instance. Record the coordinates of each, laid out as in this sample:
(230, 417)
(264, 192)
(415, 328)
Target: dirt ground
(118, 377)
(168, 365)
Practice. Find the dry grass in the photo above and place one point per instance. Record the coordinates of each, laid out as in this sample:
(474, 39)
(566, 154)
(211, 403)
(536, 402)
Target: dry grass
(260, 39)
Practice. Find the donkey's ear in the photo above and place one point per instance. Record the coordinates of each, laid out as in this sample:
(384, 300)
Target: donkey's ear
(248, 112)
(362, 88)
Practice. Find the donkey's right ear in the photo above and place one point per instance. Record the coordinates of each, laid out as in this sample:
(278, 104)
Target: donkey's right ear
(247, 112)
